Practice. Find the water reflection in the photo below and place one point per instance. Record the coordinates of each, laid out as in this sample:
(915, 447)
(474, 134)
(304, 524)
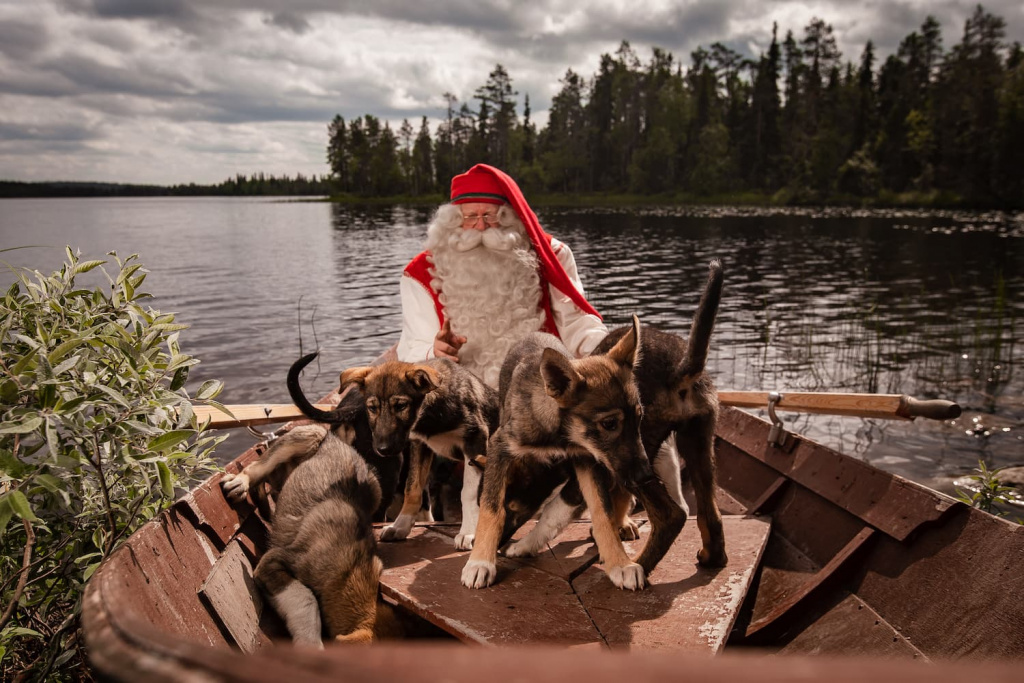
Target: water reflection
(928, 304)
(838, 301)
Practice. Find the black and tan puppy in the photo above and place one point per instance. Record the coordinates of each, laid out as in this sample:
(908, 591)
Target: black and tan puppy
(678, 397)
(322, 560)
(586, 411)
(436, 407)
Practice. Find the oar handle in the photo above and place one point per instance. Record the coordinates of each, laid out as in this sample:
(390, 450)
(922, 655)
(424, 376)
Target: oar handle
(883, 406)
(933, 409)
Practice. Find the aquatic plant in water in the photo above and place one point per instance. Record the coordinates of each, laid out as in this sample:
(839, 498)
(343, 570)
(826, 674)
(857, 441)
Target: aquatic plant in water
(986, 491)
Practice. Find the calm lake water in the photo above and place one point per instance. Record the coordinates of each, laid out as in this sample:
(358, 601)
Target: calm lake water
(926, 304)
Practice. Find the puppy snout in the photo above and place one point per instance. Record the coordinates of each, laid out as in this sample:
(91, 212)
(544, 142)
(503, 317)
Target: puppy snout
(388, 449)
(637, 472)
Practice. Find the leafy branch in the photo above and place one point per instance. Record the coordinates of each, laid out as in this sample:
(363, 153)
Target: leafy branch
(96, 433)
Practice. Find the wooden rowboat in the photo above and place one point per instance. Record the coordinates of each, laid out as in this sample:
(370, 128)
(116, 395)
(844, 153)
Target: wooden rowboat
(836, 567)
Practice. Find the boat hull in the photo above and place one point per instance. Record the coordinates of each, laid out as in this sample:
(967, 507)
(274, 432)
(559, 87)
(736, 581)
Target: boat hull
(858, 563)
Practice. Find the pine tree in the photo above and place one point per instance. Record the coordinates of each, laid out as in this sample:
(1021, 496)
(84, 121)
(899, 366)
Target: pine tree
(422, 161)
(764, 129)
(563, 144)
(497, 115)
(337, 153)
(968, 107)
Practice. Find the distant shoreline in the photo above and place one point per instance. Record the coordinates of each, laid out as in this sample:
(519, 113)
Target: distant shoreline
(240, 186)
(315, 192)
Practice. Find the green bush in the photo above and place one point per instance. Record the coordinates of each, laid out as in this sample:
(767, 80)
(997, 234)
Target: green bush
(96, 435)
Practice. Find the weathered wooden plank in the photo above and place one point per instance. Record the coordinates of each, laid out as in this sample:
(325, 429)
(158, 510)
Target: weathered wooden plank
(956, 591)
(891, 504)
(686, 608)
(566, 556)
(155, 579)
(815, 583)
(231, 594)
(211, 513)
(526, 605)
(850, 629)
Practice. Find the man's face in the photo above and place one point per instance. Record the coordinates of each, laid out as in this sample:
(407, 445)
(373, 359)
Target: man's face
(479, 215)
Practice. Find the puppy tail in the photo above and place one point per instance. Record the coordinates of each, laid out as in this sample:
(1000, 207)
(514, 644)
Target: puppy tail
(703, 322)
(345, 413)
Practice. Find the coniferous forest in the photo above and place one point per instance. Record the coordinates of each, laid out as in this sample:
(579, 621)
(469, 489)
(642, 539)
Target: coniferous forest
(801, 123)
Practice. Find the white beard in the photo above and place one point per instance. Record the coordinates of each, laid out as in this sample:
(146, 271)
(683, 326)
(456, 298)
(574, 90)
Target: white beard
(488, 285)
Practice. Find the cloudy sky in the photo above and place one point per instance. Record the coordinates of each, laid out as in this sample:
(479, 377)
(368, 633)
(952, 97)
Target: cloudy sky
(177, 91)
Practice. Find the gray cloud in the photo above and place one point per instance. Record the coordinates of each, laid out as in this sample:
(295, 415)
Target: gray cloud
(140, 79)
(225, 80)
(46, 132)
(173, 10)
(21, 39)
(291, 21)
(502, 15)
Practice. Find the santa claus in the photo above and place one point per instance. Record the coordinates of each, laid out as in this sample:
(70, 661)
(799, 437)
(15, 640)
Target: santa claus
(489, 276)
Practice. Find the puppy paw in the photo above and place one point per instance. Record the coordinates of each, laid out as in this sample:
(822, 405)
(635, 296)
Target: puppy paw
(712, 558)
(464, 541)
(629, 577)
(361, 635)
(235, 486)
(399, 530)
(629, 531)
(520, 549)
(479, 574)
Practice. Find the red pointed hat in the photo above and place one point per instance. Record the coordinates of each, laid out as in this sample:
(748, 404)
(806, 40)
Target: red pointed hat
(484, 183)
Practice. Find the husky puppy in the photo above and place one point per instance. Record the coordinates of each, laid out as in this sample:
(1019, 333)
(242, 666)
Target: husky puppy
(435, 407)
(679, 399)
(322, 560)
(585, 413)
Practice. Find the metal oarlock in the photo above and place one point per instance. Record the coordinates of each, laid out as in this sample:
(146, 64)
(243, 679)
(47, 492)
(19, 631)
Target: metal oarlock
(777, 434)
(263, 436)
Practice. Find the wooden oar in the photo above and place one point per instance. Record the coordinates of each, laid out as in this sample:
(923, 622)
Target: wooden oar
(251, 415)
(884, 406)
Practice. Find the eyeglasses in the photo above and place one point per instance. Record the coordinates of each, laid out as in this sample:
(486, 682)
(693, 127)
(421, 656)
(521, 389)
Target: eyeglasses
(470, 220)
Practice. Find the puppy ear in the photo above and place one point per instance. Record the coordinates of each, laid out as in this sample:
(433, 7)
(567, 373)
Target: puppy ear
(560, 377)
(627, 351)
(355, 376)
(423, 377)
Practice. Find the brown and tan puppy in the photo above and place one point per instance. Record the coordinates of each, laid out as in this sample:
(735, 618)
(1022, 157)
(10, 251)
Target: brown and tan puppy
(587, 412)
(322, 559)
(436, 407)
(679, 399)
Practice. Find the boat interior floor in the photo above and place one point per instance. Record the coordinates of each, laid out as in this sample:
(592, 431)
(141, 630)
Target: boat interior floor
(562, 596)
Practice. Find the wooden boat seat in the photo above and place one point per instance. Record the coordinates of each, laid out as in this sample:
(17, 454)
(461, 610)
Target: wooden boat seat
(563, 596)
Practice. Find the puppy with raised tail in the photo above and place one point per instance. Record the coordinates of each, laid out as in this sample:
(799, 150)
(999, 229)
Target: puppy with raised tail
(679, 400)
(587, 412)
